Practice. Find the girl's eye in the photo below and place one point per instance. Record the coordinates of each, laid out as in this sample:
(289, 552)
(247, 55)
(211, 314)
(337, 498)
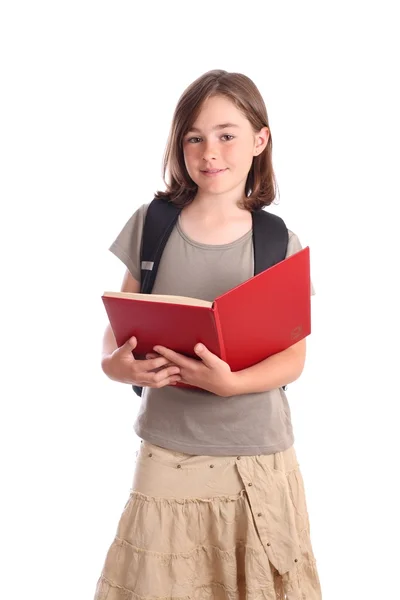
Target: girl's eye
(194, 140)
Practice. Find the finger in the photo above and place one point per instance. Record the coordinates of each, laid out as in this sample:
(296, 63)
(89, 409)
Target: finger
(129, 345)
(142, 370)
(168, 381)
(163, 367)
(155, 363)
(152, 379)
(165, 373)
(152, 355)
(174, 357)
(208, 358)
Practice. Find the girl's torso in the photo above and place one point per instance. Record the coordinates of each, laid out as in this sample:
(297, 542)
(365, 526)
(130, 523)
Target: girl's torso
(196, 421)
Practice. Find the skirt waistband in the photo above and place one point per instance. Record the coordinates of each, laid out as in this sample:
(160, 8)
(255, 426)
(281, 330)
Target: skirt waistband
(284, 461)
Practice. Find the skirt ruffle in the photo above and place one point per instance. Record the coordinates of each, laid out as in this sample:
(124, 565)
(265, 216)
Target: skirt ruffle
(183, 548)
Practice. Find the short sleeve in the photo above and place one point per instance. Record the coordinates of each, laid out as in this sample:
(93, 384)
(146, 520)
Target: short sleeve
(294, 245)
(127, 244)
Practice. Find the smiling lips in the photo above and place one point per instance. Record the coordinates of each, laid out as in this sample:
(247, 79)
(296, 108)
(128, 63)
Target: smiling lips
(211, 172)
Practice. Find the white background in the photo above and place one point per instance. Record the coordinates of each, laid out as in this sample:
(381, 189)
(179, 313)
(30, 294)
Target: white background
(88, 92)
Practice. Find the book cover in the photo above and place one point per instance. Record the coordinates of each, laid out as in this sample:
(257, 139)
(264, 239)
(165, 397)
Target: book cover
(262, 316)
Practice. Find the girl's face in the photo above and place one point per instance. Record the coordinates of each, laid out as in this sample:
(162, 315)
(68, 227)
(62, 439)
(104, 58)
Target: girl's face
(219, 148)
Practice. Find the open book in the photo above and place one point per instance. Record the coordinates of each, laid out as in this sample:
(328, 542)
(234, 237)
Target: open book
(262, 316)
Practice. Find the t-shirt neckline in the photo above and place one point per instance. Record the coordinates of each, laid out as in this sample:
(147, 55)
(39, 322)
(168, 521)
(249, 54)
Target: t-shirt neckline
(232, 244)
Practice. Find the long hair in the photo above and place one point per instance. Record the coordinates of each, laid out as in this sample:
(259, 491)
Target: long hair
(261, 185)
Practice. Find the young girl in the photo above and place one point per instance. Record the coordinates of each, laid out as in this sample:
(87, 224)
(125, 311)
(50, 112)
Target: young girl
(217, 507)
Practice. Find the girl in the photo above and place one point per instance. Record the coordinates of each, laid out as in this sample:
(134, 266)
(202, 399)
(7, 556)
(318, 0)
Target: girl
(217, 507)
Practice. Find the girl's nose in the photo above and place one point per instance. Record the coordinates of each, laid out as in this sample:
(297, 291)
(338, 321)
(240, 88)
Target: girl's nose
(209, 152)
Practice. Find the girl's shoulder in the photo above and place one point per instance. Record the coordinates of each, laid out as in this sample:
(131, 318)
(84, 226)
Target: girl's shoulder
(135, 222)
(127, 244)
(139, 214)
(294, 244)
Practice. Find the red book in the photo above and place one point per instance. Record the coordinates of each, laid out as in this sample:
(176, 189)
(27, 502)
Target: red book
(260, 317)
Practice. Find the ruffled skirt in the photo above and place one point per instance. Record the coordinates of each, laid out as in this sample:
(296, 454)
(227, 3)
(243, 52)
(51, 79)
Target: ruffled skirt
(212, 527)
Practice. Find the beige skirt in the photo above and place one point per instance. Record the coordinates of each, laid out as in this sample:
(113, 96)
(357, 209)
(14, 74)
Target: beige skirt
(212, 527)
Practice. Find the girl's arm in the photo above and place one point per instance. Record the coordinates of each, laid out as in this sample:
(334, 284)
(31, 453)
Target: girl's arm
(213, 374)
(273, 372)
(109, 342)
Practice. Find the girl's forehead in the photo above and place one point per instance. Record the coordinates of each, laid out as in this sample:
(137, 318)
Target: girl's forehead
(217, 104)
(216, 111)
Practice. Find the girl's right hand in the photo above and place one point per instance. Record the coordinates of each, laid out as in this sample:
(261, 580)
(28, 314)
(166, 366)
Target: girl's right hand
(123, 367)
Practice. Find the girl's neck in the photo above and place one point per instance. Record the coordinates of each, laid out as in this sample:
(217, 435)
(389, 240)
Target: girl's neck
(217, 206)
(215, 220)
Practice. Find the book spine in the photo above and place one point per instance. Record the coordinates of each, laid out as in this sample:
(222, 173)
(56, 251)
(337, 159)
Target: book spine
(222, 351)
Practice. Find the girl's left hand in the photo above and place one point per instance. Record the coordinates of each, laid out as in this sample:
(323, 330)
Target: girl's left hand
(210, 373)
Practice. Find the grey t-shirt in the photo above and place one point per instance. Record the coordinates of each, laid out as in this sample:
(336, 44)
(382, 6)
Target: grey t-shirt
(197, 421)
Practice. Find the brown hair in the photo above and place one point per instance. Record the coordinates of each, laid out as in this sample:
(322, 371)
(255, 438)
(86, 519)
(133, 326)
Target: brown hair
(261, 183)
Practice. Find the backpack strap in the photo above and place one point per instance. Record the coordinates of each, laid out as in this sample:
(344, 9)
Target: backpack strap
(270, 240)
(160, 219)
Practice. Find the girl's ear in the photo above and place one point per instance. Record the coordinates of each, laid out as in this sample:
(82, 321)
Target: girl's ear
(261, 140)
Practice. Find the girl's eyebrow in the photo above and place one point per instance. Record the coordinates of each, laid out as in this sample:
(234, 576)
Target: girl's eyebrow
(222, 126)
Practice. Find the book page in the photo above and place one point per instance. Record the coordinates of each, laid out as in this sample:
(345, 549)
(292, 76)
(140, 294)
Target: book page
(161, 298)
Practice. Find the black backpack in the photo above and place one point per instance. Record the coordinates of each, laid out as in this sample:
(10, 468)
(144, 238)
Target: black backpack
(270, 240)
